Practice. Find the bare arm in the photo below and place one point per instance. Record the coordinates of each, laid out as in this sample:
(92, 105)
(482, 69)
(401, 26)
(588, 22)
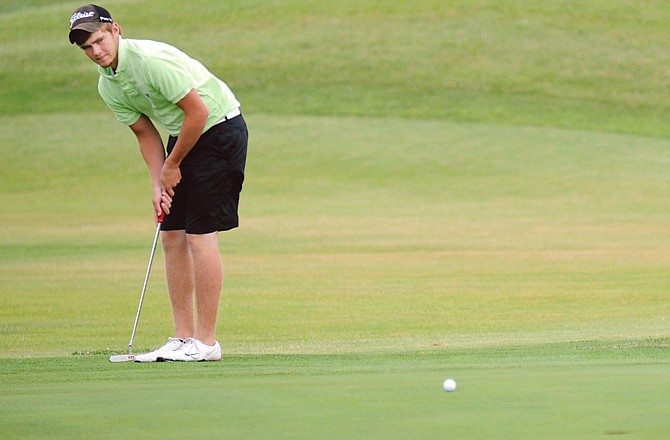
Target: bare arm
(195, 118)
(151, 147)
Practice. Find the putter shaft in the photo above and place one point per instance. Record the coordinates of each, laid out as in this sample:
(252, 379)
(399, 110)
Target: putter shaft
(144, 287)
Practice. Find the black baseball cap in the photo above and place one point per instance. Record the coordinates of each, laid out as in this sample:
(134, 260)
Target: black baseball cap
(88, 18)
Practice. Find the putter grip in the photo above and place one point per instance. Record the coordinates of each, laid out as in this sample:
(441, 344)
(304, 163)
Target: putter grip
(160, 218)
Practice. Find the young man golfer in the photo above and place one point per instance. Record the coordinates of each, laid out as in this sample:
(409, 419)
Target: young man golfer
(197, 186)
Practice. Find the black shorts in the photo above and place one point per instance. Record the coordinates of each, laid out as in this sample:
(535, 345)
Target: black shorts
(207, 197)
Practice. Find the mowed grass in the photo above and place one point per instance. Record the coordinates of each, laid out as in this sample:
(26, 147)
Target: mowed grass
(372, 264)
(435, 189)
(367, 237)
(578, 390)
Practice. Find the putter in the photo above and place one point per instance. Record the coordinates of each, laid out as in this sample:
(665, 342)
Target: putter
(130, 356)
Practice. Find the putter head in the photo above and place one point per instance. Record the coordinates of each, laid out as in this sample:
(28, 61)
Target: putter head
(122, 358)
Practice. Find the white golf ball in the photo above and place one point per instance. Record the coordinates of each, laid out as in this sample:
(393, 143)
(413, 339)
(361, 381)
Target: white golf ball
(449, 385)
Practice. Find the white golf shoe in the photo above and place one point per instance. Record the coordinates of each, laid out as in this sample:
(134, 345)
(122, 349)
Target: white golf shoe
(193, 350)
(173, 344)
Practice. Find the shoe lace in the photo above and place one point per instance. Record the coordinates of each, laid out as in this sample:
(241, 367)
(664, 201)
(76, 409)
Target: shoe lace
(190, 347)
(180, 341)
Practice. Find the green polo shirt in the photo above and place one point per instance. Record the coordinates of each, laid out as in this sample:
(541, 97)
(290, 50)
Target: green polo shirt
(150, 79)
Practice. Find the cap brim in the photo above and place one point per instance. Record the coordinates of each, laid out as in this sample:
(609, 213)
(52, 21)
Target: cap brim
(91, 26)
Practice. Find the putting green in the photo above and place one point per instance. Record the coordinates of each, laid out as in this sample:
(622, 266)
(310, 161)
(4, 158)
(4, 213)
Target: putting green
(434, 189)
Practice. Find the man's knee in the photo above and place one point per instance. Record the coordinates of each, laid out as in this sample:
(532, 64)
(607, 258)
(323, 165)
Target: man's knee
(203, 242)
(173, 240)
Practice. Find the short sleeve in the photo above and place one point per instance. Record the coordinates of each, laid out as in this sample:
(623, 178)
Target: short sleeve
(123, 111)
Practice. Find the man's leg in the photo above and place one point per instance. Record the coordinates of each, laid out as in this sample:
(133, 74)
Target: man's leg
(204, 251)
(179, 272)
(180, 281)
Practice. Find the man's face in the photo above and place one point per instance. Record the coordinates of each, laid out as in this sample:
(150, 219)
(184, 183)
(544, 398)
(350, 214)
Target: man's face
(102, 47)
